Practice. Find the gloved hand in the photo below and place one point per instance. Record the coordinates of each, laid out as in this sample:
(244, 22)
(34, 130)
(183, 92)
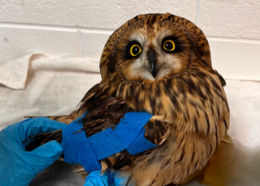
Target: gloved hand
(106, 179)
(17, 166)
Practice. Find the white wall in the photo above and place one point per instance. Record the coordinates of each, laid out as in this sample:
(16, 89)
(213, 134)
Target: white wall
(80, 28)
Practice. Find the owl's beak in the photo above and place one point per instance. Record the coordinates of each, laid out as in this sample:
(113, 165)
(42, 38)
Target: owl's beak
(152, 60)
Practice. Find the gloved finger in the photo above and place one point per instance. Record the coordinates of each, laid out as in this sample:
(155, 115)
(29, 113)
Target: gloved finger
(31, 127)
(52, 150)
(122, 178)
(97, 179)
(45, 155)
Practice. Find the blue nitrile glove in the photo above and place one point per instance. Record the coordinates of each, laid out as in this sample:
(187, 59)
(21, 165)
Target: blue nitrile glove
(106, 179)
(17, 166)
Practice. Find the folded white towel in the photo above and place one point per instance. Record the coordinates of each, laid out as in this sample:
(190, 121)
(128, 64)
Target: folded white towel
(14, 73)
(50, 86)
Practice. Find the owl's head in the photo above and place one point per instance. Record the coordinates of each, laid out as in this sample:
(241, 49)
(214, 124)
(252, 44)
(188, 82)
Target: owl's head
(152, 47)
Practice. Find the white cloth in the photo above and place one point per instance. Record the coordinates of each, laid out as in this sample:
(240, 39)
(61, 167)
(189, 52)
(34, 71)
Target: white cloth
(14, 73)
(54, 86)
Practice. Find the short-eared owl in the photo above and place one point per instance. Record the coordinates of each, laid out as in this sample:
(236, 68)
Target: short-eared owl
(159, 63)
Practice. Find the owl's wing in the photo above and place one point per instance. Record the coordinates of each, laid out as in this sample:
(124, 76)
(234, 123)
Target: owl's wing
(67, 119)
(105, 112)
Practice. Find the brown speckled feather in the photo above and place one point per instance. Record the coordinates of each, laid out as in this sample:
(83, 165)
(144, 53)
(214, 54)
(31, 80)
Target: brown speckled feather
(190, 108)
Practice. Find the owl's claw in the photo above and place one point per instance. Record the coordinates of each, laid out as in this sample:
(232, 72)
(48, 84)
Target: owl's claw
(164, 137)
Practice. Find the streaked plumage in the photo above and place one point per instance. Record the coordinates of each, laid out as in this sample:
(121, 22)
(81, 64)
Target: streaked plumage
(183, 92)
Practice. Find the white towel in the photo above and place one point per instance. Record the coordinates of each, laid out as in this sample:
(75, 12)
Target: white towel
(14, 73)
(50, 85)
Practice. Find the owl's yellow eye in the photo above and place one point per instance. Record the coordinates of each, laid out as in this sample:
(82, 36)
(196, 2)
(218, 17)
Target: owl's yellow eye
(135, 50)
(169, 45)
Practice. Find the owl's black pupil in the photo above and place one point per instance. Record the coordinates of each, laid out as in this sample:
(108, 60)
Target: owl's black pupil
(135, 50)
(168, 45)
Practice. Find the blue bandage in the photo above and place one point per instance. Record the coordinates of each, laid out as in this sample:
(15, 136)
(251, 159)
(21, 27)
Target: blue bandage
(128, 134)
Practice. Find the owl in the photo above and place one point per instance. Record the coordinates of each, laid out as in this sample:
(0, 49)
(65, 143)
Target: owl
(161, 64)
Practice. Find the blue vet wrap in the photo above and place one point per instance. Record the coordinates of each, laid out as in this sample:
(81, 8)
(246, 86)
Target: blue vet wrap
(128, 134)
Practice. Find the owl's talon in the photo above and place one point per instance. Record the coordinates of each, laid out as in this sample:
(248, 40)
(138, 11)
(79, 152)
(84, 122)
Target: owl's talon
(165, 137)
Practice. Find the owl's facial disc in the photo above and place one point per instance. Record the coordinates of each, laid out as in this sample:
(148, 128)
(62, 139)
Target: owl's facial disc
(152, 56)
